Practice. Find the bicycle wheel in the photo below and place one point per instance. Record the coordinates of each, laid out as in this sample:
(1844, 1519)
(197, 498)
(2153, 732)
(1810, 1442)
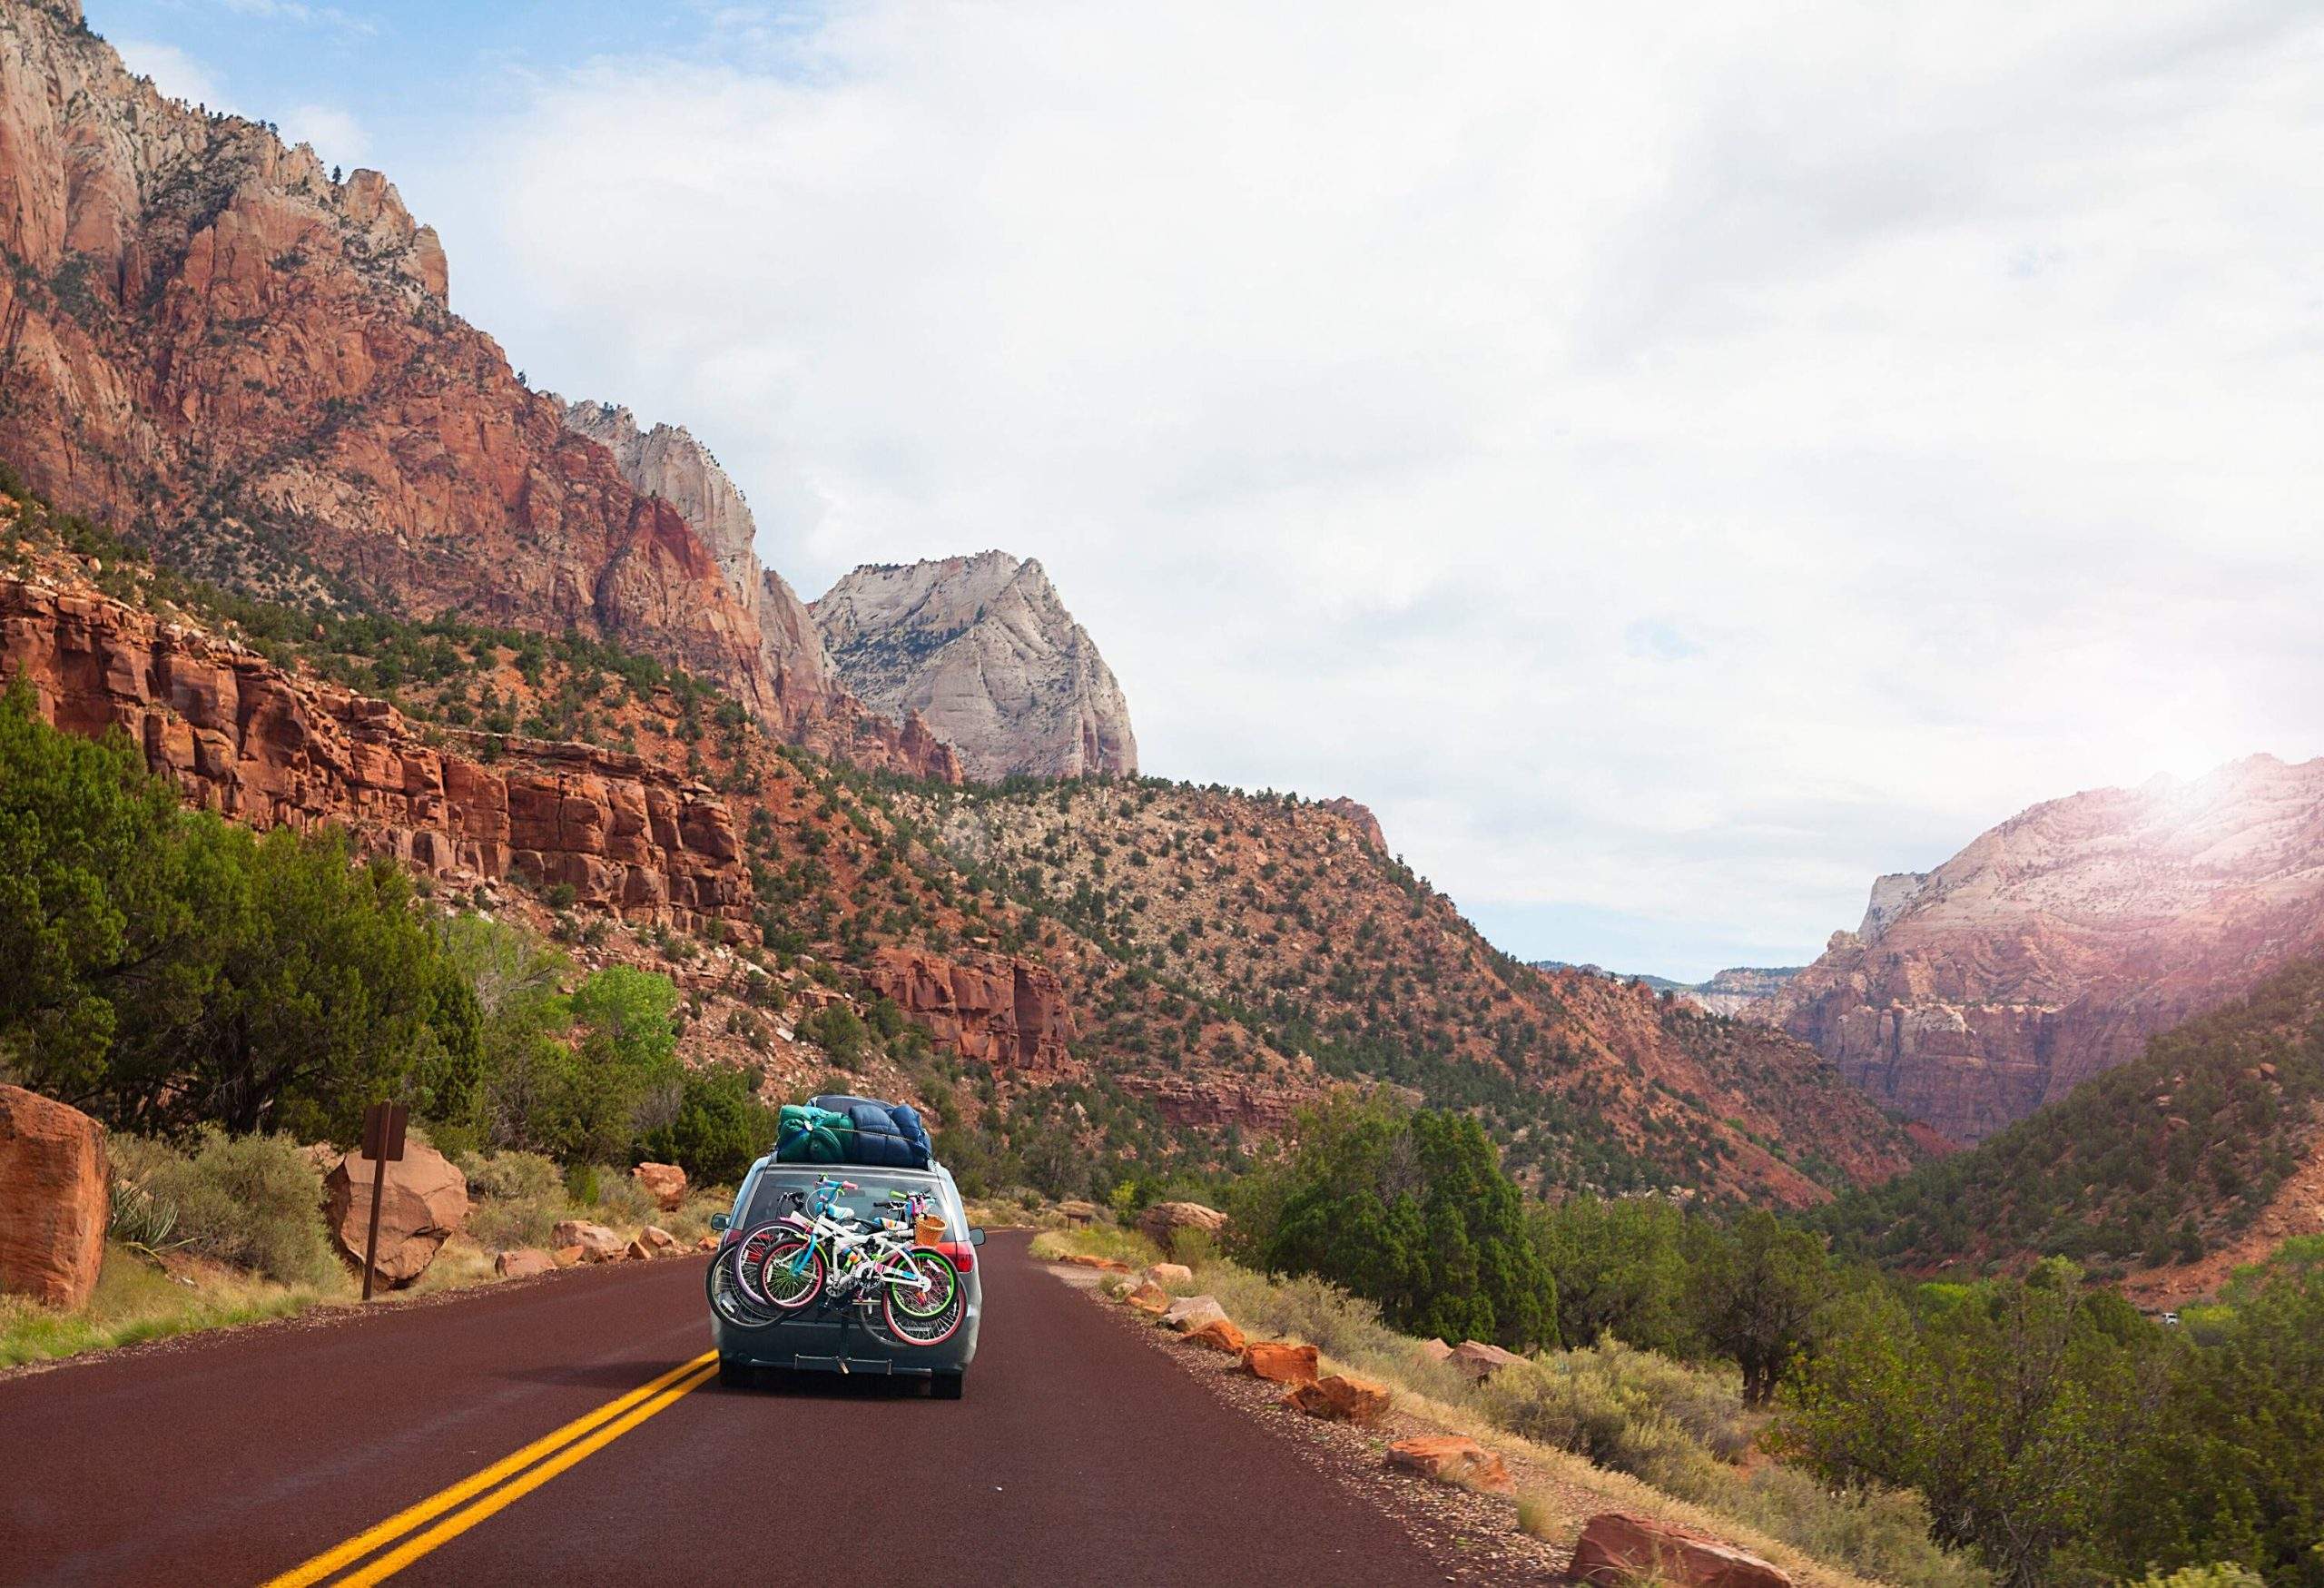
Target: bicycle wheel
(944, 1293)
(748, 1255)
(788, 1281)
(731, 1301)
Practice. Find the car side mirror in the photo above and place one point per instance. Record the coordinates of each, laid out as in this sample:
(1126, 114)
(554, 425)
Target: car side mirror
(718, 1223)
(976, 1235)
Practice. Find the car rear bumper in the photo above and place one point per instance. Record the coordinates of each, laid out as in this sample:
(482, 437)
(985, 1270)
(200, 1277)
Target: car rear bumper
(835, 1343)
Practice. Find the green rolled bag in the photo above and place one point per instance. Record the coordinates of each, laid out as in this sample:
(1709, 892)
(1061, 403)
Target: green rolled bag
(806, 1134)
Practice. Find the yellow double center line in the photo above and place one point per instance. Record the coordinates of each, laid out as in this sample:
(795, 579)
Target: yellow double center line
(517, 1476)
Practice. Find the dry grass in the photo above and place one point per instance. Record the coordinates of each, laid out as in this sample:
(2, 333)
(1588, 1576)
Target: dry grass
(136, 1300)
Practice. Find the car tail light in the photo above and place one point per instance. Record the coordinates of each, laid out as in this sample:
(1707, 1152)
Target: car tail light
(963, 1255)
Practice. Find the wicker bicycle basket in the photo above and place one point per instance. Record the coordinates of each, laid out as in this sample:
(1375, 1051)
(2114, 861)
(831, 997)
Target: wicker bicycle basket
(927, 1230)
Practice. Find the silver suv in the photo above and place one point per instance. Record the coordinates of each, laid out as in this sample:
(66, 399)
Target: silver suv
(835, 1336)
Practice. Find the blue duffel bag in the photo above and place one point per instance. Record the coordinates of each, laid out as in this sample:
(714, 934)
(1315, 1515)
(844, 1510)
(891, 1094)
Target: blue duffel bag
(885, 1140)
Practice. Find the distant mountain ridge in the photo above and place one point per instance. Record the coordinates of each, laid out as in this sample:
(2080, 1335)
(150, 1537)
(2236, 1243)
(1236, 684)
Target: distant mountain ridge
(2053, 946)
(1733, 992)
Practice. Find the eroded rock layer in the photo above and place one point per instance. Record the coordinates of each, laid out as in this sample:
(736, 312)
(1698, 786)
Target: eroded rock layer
(2054, 945)
(242, 737)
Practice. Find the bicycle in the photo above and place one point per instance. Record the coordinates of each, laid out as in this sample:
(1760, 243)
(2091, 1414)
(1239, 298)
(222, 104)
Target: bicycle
(817, 1253)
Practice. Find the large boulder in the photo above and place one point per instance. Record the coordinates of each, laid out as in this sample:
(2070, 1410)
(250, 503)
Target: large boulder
(1170, 1274)
(523, 1262)
(1190, 1313)
(1452, 1458)
(1341, 1399)
(1161, 1223)
(54, 1198)
(594, 1242)
(1220, 1334)
(1480, 1361)
(1617, 1549)
(665, 1182)
(425, 1202)
(1280, 1362)
(1150, 1298)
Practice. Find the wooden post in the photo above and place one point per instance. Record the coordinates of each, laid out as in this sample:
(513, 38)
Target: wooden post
(383, 1129)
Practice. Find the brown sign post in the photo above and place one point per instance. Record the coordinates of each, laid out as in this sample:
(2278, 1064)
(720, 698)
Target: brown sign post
(383, 1126)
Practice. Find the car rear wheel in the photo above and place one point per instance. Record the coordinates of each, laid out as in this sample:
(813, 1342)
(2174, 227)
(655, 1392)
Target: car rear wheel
(947, 1386)
(734, 1373)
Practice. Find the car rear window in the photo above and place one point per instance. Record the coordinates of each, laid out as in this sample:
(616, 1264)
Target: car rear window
(772, 1197)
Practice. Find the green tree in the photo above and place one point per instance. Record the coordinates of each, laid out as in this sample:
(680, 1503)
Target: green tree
(1411, 1210)
(1621, 1268)
(720, 1127)
(1761, 1292)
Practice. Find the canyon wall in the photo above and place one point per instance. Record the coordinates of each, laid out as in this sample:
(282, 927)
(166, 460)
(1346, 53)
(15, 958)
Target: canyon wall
(2053, 946)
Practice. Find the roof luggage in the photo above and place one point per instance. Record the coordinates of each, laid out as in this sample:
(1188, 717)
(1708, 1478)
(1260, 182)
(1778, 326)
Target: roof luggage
(838, 1128)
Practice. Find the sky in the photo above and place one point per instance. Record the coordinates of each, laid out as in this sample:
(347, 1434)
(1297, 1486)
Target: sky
(1673, 463)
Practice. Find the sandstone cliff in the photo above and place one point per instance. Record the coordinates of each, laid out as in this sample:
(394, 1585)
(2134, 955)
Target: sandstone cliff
(985, 650)
(242, 737)
(2052, 947)
(209, 342)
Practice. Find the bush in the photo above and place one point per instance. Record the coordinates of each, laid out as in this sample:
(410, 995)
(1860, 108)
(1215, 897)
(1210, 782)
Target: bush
(253, 1201)
(1881, 1534)
(721, 1127)
(518, 1199)
(1624, 1409)
(2229, 1576)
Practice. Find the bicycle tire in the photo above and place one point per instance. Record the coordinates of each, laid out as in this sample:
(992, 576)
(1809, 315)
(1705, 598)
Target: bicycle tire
(935, 1328)
(748, 1255)
(730, 1301)
(787, 1289)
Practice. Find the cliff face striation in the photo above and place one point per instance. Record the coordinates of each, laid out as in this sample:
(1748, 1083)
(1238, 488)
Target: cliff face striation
(2054, 945)
(984, 649)
(242, 737)
(207, 341)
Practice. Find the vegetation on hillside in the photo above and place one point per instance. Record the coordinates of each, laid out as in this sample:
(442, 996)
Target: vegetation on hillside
(2155, 1162)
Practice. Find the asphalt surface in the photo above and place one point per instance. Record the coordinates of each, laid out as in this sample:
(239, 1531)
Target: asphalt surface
(1079, 1455)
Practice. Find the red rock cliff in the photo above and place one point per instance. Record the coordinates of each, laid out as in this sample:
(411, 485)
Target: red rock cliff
(998, 1009)
(206, 340)
(244, 738)
(2052, 947)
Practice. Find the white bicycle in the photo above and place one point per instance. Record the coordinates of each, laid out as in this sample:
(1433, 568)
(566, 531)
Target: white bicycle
(824, 1253)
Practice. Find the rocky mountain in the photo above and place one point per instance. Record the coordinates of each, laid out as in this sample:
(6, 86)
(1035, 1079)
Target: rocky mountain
(984, 649)
(250, 363)
(2163, 1174)
(2054, 945)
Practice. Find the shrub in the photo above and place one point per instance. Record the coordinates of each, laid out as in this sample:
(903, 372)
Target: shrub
(518, 1199)
(2229, 1576)
(253, 1201)
(1624, 1409)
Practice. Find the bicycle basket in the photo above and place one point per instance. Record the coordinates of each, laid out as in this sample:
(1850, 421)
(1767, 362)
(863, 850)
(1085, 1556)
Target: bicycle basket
(927, 1230)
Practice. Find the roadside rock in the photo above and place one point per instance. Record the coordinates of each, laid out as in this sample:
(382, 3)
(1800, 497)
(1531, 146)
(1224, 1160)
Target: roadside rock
(659, 1239)
(1341, 1399)
(426, 1203)
(54, 1198)
(1452, 1458)
(1170, 1274)
(523, 1263)
(665, 1182)
(1190, 1313)
(1480, 1361)
(708, 1243)
(638, 1251)
(1617, 1549)
(1220, 1335)
(1103, 1265)
(1150, 1298)
(595, 1243)
(566, 1257)
(1162, 1222)
(1280, 1362)
(1435, 1350)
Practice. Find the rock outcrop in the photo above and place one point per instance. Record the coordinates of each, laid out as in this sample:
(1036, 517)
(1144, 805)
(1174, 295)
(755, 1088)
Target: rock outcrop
(981, 648)
(1452, 1458)
(997, 1009)
(424, 1205)
(2054, 945)
(1162, 1222)
(206, 340)
(54, 1198)
(1617, 1550)
(242, 737)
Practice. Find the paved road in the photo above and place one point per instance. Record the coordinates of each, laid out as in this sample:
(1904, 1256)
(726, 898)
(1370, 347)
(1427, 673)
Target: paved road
(1079, 1455)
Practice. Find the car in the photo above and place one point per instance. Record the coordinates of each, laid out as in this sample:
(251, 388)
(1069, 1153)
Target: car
(841, 1338)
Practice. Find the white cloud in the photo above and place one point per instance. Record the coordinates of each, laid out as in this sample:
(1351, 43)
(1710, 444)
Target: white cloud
(336, 135)
(1672, 469)
(176, 74)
